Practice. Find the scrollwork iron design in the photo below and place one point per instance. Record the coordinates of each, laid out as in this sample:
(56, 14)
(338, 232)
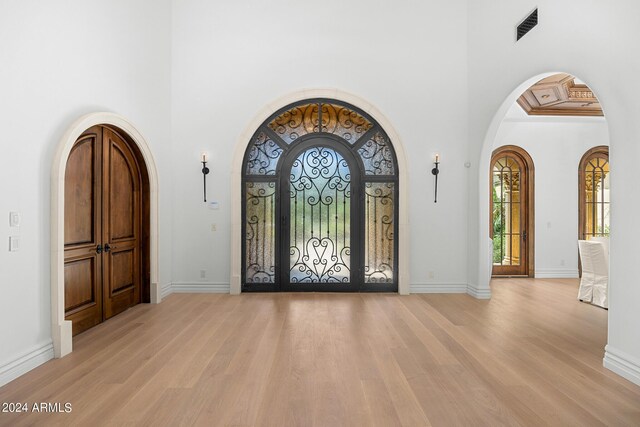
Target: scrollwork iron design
(320, 192)
(377, 156)
(379, 235)
(263, 156)
(344, 122)
(295, 122)
(260, 232)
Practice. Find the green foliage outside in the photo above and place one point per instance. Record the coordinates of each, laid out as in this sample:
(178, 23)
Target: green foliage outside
(498, 228)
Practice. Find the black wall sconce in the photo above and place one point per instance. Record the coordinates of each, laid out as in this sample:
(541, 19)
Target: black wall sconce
(435, 171)
(205, 172)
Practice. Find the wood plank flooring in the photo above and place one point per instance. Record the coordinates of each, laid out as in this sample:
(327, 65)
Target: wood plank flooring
(530, 356)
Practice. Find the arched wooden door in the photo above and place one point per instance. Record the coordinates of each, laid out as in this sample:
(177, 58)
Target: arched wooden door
(511, 212)
(105, 238)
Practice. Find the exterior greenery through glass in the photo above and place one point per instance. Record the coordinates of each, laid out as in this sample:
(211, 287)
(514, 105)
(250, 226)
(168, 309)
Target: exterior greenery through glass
(320, 203)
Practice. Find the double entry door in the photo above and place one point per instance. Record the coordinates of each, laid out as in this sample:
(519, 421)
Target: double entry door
(102, 223)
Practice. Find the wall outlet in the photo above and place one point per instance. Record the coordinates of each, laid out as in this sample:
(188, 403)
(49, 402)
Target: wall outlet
(14, 243)
(214, 227)
(203, 274)
(14, 219)
(561, 262)
(431, 275)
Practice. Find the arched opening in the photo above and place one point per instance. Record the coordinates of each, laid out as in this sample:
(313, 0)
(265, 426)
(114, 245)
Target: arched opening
(555, 118)
(240, 185)
(320, 202)
(141, 154)
(106, 227)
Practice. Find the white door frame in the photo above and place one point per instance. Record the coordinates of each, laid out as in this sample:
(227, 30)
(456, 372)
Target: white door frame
(61, 328)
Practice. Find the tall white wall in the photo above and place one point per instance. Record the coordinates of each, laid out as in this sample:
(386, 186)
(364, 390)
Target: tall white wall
(592, 41)
(59, 61)
(231, 59)
(556, 145)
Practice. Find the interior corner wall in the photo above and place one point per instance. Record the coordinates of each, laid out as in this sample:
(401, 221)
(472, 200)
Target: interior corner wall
(556, 145)
(61, 61)
(230, 60)
(590, 40)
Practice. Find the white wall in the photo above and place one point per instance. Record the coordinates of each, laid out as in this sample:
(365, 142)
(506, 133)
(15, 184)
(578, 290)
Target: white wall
(59, 61)
(592, 41)
(556, 145)
(232, 59)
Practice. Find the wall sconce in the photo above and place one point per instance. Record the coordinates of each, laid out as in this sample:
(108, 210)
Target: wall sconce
(205, 172)
(435, 171)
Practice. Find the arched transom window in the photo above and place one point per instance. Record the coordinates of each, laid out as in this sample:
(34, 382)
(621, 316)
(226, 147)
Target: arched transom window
(320, 202)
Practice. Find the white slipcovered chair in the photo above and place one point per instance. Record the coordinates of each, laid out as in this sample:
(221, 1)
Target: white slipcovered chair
(595, 273)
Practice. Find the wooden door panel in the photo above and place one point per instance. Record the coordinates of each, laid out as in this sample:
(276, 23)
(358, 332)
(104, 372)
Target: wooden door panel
(121, 229)
(82, 292)
(83, 232)
(80, 193)
(121, 198)
(80, 284)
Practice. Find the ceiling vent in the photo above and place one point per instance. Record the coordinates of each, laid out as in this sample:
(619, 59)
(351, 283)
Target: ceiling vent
(526, 25)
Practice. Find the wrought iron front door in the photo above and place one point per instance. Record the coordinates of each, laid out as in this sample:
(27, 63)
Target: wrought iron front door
(320, 198)
(320, 207)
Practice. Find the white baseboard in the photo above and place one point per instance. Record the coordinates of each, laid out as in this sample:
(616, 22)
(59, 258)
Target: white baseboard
(556, 273)
(20, 366)
(475, 292)
(199, 288)
(438, 288)
(166, 290)
(622, 364)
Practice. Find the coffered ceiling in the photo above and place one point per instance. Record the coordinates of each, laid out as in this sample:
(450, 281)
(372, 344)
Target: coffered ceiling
(560, 95)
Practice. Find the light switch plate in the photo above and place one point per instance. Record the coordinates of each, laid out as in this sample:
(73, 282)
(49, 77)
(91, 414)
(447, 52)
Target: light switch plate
(14, 219)
(14, 243)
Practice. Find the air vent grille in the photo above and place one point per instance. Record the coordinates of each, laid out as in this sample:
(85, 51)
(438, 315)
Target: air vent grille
(526, 25)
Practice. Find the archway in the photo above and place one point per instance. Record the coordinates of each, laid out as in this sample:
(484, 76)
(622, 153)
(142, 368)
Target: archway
(61, 328)
(485, 262)
(238, 169)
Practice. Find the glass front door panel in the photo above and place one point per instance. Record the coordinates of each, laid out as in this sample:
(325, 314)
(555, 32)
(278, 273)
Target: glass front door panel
(320, 217)
(596, 198)
(507, 212)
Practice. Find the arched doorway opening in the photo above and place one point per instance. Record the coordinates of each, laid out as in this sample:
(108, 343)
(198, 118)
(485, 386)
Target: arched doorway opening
(239, 169)
(106, 219)
(61, 328)
(552, 193)
(320, 202)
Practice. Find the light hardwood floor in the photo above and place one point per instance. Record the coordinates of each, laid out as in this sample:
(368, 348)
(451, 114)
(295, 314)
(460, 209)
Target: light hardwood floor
(532, 355)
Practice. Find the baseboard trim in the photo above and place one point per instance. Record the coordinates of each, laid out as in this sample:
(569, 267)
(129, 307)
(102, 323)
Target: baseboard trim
(166, 291)
(438, 288)
(622, 364)
(478, 293)
(20, 366)
(199, 288)
(556, 273)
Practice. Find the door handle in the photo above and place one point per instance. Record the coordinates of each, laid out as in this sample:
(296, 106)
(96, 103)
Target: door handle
(107, 248)
(99, 249)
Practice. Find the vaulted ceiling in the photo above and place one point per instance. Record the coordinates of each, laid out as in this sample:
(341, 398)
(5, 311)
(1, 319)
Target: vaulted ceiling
(560, 95)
